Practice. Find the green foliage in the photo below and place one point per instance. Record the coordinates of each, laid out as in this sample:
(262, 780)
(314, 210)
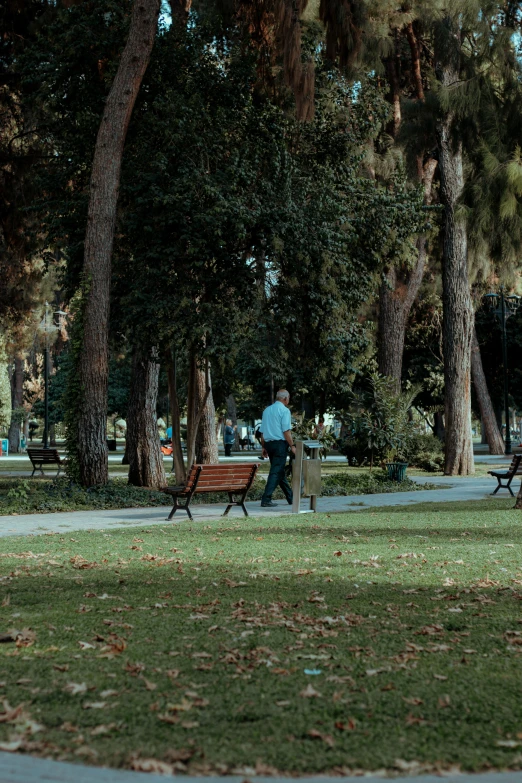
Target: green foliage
(62, 494)
(424, 451)
(367, 484)
(305, 429)
(378, 424)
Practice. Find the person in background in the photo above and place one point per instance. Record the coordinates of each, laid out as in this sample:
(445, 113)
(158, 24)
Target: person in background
(277, 440)
(229, 437)
(319, 428)
(168, 433)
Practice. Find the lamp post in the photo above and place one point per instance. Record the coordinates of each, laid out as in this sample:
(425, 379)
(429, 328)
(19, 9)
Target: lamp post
(503, 306)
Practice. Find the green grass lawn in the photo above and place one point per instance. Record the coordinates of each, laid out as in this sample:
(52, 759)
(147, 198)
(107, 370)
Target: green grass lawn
(385, 639)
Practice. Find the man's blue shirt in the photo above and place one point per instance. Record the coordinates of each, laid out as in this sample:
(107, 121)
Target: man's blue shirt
(276, 420)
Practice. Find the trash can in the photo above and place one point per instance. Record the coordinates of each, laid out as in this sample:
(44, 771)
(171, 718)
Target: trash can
(396, 471)
(111, 444)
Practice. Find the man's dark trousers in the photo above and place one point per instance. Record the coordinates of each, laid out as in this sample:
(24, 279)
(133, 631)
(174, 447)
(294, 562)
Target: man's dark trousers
(277, 452)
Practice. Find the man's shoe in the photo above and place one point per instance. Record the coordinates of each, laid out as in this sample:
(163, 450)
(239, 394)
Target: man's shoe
(270, 504)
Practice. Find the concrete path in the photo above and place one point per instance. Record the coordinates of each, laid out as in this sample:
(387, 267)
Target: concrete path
(26, 769)
(452, 489)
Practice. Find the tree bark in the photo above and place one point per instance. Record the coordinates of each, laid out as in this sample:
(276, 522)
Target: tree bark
(143, 444)
(17, 397)
(178, 463)
(397, 295)
(105, 179)
(195, 403)
(206, 438)
(487, 412)
(457, 305)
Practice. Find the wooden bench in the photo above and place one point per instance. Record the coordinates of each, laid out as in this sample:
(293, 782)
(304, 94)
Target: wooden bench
(233, 479)
(509, 474)
(41, 457)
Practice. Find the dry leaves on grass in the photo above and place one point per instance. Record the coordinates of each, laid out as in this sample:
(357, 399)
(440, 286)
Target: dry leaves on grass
(310, 693)
(25, 637)
(348, 725)
(326, 738)
(81, 563)
(75, 687)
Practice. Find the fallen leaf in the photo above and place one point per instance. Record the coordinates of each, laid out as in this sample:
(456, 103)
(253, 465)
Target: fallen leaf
(349, 725)
(98, 731)
(310, 693)
(326, 738)
(415, 720)
(444, 701)
(152, 765)
(414, 700)
(86, 646)
(150, 686)
(75, 687)
(440, 677)
(10, 713)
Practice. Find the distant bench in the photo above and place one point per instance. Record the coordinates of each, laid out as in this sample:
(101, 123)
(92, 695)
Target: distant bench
(509, 474)
(41, 457)
(236, 480)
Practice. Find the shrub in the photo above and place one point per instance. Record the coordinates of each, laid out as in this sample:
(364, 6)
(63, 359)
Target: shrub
(425, 451)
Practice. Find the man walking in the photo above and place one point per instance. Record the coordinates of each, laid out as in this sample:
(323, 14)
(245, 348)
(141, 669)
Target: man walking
(276, 439)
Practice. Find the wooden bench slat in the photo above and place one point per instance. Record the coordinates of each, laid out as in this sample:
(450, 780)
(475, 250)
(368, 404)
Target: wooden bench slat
(233, 479)
(40, 457)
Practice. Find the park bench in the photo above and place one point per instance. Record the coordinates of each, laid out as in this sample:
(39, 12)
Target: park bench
(509, 474)
(236, 480)
(41, 457)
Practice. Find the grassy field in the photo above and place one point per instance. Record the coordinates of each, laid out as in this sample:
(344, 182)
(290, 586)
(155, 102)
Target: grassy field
(388, 639)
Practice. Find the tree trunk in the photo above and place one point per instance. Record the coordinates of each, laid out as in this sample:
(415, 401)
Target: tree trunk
(105, 180)
(487, 413)
(178, 464)
(17, 397)
(439, 429)
(195, 404)
(458, 311)
(206, 438)
(143, 444)
(397, 295)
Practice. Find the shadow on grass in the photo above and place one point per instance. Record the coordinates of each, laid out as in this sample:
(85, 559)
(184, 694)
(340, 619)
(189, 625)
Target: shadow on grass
(237, 663)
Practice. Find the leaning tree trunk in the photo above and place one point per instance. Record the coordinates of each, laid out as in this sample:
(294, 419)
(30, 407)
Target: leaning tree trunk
(397, 295)
(17, 397)
(457, 305)
(105, 179)
(143, 443)
(206, 437)
(487, 412)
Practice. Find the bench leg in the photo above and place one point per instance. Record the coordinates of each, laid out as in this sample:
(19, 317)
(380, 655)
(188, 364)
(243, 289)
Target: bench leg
(179, 506)
(174, 509)
(497, 489)
(231, 502)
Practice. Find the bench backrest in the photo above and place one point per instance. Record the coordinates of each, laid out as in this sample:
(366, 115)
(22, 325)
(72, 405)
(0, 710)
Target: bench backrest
(43, 455)
(222, 478)
(515, 466)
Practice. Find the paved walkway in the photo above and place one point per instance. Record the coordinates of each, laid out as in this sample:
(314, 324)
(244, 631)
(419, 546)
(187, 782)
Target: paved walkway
(26, 769)
(37, 524)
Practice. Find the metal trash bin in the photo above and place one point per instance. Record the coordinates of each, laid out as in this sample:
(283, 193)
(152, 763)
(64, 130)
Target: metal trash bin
(306, 475)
